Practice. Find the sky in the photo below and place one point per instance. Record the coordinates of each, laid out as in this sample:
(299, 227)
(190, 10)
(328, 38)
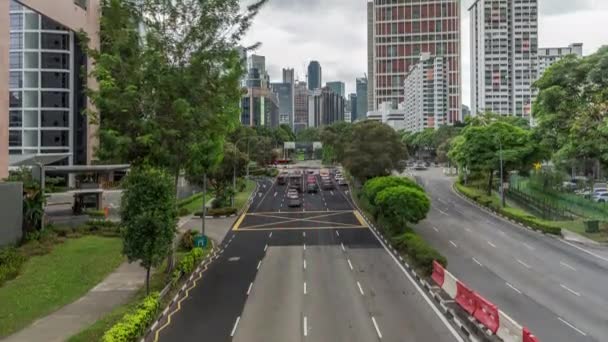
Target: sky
(334, 32)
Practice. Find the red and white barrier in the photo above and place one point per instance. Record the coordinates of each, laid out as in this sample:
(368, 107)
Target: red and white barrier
(484, 311)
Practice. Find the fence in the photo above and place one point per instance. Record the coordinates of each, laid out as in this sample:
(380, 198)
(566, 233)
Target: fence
(543, 207)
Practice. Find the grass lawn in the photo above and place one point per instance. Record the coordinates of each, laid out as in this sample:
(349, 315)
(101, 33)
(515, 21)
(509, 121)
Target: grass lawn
(51, 281)
(242, 197)
(158, 280)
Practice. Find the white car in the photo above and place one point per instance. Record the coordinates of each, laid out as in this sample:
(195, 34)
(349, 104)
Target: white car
(601, 197)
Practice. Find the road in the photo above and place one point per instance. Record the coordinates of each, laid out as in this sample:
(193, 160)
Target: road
(313, 273)
(558, 289)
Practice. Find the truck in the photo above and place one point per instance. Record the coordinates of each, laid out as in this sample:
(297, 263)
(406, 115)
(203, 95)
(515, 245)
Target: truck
(295, 181)
(311, 184)
(282, 178)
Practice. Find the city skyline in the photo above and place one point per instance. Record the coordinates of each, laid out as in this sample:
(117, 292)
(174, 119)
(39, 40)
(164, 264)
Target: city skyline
(328, 43)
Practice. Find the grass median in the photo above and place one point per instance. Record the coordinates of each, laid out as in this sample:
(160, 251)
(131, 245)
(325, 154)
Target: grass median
(48, 282)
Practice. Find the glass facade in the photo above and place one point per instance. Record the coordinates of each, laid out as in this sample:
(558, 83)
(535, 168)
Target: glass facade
(41, 84)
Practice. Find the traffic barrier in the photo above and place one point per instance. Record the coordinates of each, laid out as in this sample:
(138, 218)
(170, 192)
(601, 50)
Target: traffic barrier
(528, 337)
(465, 297)
(438, 273)
(449, 284)
(508, 329)
(486, 313)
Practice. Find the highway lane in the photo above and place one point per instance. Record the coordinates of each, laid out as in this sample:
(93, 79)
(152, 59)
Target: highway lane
(554, 288)
(312, 273)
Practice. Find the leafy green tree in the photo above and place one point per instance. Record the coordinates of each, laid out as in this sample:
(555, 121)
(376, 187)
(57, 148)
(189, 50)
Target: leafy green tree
(479, 149)
(374, 186)
(400, 205)
(335, 139)
(375, 150)
(309, 134)
(149, 217)
(33, 200)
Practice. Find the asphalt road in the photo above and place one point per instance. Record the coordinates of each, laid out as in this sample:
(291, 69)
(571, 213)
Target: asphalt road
(313, 273)
(558, 289)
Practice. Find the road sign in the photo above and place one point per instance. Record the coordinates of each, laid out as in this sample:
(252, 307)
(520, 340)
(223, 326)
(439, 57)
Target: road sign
(200, 241)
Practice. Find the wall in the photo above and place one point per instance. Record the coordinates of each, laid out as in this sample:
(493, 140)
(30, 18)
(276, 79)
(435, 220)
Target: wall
(4, 45)
(11, 212)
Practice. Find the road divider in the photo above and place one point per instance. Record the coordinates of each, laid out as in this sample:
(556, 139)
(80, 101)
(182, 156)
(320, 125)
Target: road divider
(480, 310)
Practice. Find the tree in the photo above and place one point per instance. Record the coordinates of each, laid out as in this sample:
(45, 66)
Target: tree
(149, 217)
(33, 200)
(480, 149)
(400, 205)
(374, 186)
(375, 150)
(309, 134)
(335, 139)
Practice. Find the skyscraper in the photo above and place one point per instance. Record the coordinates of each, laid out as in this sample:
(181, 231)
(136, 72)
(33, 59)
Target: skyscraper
(504, 48)
(398, 33)
(257, 77)
(285, 97)
(338, 87)
(300, 102)
(288, 76)
(325, 107)
(362, 106)
(42, 82)
(353, 106)
(315, 75)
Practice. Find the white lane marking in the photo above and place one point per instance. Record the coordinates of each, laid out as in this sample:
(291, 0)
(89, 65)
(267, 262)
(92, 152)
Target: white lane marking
(337, 233)
(305, 326)
(453, 244)
(304, 234)
(567, 266)
(447, 324)
(259, 264)
(435, 229)
(513, 288)
(270, 235)
(350, 264)
(528, 246)
(503, 233)
(440, 200)
(477, 262)
(275, 194)
(584, 250)
(491, 244)
(304, 246)
(524, 264)
(304, 264)
(249, 289)
(235, 325)
(265, 248)
(377, 328)
(468, 230)
(570, 290)
(360, 289)
(331, 192)
(443, 212)
(572, 326)
(341, 244)
(305, 288)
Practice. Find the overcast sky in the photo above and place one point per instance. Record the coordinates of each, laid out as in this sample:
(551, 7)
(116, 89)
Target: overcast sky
(334, 32)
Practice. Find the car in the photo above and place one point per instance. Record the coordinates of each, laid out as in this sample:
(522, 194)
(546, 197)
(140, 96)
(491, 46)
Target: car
(293, 198)
(601, 197)
(342, 181)
(327, 184)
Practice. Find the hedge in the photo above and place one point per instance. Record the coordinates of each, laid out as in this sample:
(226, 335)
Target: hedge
(188, 263)
(10, 263)
(133, 325)
(419, 251)
(219, 212)
(531, 221)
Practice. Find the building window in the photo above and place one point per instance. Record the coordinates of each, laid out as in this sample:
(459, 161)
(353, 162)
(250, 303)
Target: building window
(55, 138)
(55, 41)
(15, 119)
(16, 41)
(14, 139)
(54, 99)
(55, 80)
(15, 80)
(82, 3)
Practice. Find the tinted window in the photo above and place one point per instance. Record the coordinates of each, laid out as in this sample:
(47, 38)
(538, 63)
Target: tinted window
(16, 21)
(49, 24)
(15, 118)
(54, 99)
(15, 80)
(55, 41)
(55, 118)
(16, 60)
(14, 138)
(59, 80)
(16, 41)
(15, 99)
(54, 138)
(53, 60)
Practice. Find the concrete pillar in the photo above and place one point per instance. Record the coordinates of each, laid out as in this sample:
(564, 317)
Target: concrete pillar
(4, 66)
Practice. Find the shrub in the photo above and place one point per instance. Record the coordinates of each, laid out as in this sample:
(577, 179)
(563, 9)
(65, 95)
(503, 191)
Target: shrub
(420, 252)
(373, 187)
(401, 205)
(134, 324)
(10, 263)
(188, 263)
(95, 214)
(219, 212)
(187, 240)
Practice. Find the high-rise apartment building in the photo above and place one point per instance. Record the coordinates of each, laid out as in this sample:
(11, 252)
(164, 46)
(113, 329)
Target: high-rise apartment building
(504, 49)
(548, 56)
(260, 107)
(300, 105)
(42, 82)
(398, 33)
(426, 91)
(362, 105)
(338, 87)
(315, 75)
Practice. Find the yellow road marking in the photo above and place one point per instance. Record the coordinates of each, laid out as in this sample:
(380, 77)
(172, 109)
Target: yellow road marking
(297, 228)
(359, 217)
(179, 303)
(239, 221)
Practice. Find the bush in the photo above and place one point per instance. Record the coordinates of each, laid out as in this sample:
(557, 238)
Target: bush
(219, 212)
(134, 324)
(401, 205)
(420, 252)
(10, 263)
(188, 262)
(374, 186)
(183, 211)
(187, 240)
(95, 214)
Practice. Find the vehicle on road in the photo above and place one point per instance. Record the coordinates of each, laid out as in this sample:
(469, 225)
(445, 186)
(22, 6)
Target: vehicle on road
(295, 181)
(341, 181)
(601, 197)
(327, 184)
(293, 198)
(324, 173)
(420, 166)
(311, 184)
(282, 178)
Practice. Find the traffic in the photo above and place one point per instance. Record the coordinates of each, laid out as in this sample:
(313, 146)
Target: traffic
(297, 182)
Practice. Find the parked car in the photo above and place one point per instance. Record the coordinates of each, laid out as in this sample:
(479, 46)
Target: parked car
(601, 197)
